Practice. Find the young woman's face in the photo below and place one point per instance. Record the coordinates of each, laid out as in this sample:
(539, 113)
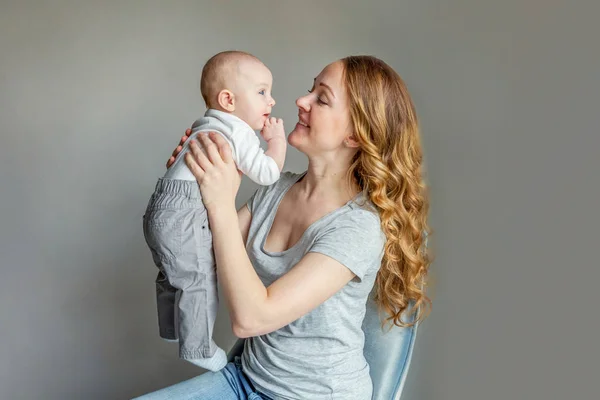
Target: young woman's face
(323, 114)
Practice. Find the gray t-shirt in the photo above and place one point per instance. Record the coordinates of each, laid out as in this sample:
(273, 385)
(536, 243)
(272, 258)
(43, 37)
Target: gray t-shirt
(319, 355)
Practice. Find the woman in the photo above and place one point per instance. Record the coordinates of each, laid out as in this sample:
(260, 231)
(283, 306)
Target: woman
(311, 247)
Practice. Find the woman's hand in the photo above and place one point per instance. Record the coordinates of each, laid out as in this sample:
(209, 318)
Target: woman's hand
(214, 169)
(185, 137)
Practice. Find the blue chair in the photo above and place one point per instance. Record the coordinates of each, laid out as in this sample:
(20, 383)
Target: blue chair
(388, 353)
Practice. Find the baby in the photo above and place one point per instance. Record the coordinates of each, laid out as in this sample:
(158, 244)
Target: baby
(236, 88)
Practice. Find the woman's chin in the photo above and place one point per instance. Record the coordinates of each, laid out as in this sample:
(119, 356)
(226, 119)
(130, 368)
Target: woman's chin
(293, 139)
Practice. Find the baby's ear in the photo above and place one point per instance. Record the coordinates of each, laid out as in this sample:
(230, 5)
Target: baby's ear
(226, 100)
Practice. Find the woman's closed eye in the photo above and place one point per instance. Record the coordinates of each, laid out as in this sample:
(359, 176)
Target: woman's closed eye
(319, 100)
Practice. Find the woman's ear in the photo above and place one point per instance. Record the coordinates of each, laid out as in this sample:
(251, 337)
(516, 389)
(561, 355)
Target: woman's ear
(226, 100)
(351, 141)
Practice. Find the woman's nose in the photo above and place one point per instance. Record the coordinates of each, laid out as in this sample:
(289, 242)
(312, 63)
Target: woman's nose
(303, 103)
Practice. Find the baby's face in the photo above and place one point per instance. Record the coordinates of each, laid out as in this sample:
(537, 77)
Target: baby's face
(253, 94)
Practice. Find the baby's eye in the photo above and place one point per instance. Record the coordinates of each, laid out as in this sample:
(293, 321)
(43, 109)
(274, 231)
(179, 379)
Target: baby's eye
(262, 92)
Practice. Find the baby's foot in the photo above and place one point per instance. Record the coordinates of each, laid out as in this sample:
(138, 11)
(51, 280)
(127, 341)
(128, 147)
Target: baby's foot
(214, 363)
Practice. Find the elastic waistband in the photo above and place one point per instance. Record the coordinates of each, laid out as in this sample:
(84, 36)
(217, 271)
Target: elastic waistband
(189, 189)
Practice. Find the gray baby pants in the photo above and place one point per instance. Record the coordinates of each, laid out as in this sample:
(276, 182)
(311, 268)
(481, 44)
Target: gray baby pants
(177, 232)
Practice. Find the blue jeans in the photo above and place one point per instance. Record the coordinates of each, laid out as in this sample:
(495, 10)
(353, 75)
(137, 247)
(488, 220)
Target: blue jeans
(230, 383)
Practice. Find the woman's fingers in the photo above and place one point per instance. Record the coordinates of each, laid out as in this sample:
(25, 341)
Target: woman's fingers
(199, 156)
(211, 148)
(185, 137)
(171, 159)
(194, 167)
(177, 150)
(223, 146)
(207, 152)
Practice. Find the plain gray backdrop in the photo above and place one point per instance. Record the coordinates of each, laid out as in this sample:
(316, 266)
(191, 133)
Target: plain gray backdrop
(95, 95)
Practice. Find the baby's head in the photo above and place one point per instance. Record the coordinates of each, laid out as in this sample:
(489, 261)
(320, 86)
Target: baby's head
(240, 84)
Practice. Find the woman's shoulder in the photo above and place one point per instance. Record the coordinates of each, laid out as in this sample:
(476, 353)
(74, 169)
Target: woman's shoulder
(362, 207)
(354, 237)
(359, 218)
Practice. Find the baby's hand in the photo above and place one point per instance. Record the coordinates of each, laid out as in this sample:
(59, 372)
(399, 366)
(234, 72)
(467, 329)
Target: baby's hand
(273, 128)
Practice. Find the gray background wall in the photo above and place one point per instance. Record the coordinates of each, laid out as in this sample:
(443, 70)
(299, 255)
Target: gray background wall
(94, 96)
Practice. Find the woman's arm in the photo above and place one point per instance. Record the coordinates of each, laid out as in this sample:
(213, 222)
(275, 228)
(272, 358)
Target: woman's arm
(255, 309)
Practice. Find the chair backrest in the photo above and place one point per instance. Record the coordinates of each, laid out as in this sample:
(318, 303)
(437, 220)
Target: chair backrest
(388, 352)
(236, 350)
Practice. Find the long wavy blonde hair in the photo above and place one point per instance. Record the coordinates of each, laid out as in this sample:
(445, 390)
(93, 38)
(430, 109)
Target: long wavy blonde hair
(388, 168)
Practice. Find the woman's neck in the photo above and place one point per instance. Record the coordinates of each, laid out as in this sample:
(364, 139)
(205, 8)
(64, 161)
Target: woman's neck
(330, 182)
